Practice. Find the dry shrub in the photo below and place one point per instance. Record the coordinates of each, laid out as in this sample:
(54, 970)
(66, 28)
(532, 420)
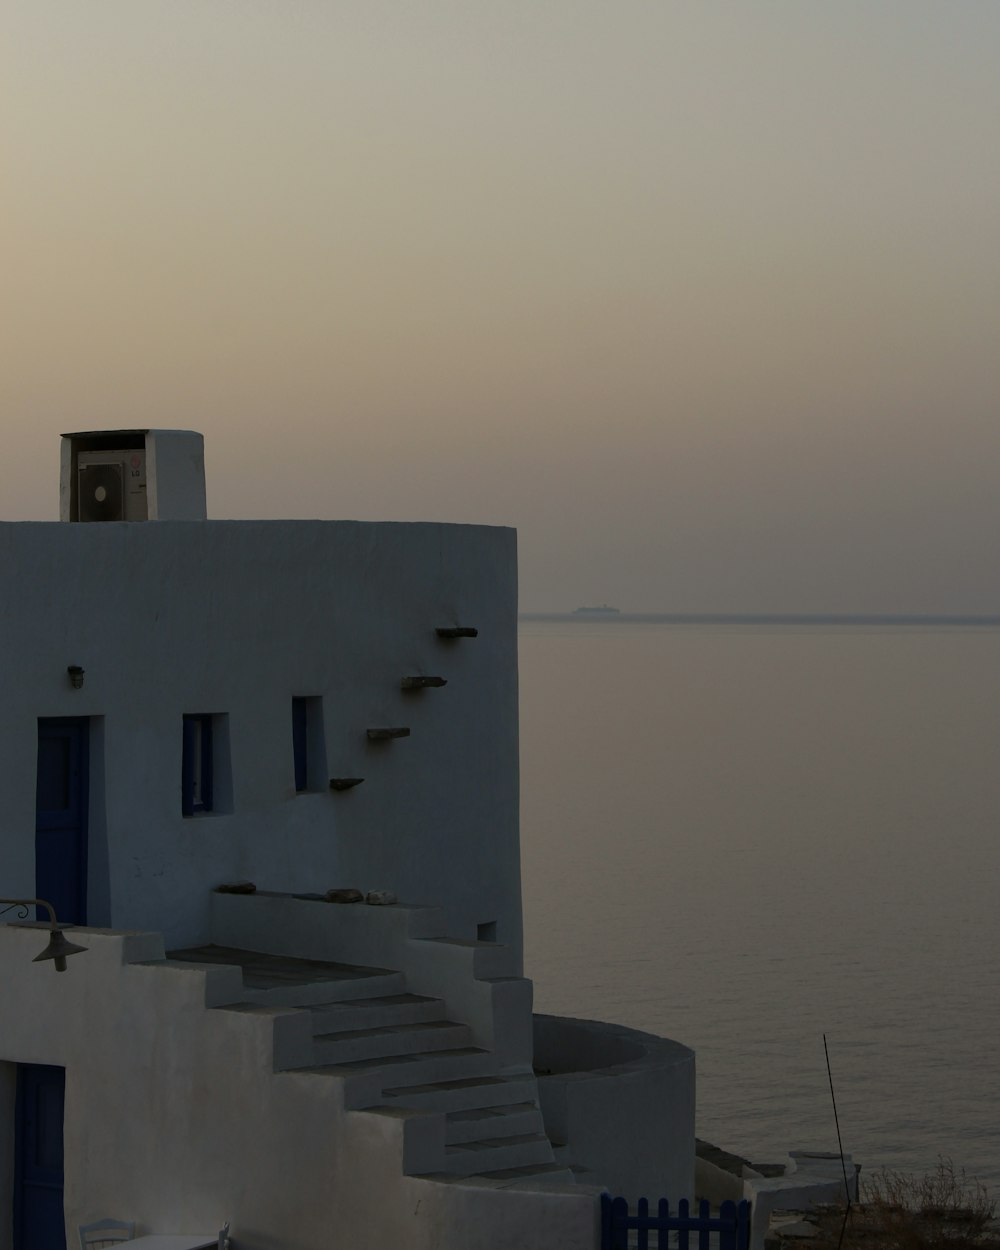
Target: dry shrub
(897, 1211)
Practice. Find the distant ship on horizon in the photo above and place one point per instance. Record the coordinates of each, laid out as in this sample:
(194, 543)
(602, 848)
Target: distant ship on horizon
(604, 609)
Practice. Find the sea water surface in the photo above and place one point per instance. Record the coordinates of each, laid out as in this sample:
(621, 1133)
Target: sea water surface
(743, 836)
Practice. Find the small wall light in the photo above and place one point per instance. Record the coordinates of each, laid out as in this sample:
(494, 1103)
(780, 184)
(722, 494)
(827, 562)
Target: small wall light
(58, 949)
(75, 675)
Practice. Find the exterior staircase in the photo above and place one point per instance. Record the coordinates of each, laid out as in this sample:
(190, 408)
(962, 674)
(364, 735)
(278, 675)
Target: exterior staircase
(395, 1053)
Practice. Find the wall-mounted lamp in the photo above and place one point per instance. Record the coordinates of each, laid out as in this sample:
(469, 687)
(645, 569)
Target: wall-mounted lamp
(75, 675)
(58, 948)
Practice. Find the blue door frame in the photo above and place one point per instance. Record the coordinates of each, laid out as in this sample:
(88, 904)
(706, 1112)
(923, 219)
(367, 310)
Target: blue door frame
(39, 1221)
(61, 804)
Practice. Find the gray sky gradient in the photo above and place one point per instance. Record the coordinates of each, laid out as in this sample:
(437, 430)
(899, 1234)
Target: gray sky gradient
(702, 296)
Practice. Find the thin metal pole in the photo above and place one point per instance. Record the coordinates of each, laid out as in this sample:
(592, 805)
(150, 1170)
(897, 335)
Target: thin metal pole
(840, 1145)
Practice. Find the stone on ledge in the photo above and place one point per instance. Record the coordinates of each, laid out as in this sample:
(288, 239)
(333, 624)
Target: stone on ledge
(344, 896)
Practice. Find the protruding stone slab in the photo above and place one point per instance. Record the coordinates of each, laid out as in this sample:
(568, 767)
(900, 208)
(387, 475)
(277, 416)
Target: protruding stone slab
(381, 735)
(457, 631)
(380, 898)
(345, 783)
(344, 896)
(422, 683)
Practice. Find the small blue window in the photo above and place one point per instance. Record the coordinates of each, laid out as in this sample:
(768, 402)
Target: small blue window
(196, 764)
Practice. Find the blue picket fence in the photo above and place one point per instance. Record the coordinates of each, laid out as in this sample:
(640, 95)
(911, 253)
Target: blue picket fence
(728, 1230)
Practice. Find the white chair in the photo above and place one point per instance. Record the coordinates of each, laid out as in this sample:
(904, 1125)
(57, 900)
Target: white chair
(103, 1233)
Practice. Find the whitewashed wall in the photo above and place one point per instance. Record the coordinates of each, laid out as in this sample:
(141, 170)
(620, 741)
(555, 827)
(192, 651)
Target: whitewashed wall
(237, 617)
(622, 1102)
(175, 1119)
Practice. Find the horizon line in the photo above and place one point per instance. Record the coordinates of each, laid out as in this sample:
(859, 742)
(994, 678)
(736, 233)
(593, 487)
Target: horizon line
(943, 618)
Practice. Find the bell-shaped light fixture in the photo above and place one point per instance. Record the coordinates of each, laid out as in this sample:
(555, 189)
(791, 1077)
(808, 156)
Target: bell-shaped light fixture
(58, 949)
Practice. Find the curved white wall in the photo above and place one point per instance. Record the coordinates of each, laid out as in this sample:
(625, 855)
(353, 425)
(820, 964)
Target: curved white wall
(622, 1102)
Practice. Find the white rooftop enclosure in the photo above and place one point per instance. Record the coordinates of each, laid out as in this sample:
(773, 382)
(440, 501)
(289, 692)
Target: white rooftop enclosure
(155, 475)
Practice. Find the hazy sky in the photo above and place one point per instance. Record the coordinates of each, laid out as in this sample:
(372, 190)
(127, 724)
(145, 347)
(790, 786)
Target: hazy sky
(701, 295)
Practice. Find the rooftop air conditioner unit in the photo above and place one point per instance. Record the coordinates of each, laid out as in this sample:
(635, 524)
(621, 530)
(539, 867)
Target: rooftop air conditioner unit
(132, 475)
(111, 485)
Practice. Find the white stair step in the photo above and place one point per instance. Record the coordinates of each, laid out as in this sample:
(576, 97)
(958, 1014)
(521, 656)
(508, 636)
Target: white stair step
(540, 1176)
(284, 981)
(307, 995)
(366, 1080)
(375, 1013)
(403, 1039)
(497, 1154)
(513, 1120)
(463, 1094)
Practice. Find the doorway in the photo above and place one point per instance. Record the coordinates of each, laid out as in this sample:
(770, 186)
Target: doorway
(61, 806)
(39, 1222)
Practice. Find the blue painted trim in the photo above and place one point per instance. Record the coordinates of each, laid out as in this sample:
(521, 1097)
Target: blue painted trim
(52, 881)
(38, 1217)
(732, 1224)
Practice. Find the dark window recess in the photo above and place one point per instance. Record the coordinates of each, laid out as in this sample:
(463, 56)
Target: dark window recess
(196, 765)
(308, 744)
(300, 743)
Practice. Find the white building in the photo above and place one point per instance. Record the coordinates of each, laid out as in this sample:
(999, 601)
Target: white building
(304, 705)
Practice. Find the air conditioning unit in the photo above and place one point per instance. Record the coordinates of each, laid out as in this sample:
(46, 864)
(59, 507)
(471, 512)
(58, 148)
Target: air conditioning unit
(111, 485)
(132, 475)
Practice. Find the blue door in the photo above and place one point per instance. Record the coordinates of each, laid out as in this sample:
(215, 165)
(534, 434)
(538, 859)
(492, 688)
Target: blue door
(39, 1223)
(61, 818)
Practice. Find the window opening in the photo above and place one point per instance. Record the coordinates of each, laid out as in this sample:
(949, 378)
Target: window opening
(308, 744)
(196, 767)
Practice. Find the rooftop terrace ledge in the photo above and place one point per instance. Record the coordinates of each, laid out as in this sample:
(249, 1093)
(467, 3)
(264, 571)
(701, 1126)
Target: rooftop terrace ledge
(618, 1102)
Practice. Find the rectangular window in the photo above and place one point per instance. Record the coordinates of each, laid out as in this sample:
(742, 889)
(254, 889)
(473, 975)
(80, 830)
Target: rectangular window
(300, 743)
(196, 765)
(308, 744)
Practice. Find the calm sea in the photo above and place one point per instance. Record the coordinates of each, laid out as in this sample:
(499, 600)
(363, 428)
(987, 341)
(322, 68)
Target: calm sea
(745, 836)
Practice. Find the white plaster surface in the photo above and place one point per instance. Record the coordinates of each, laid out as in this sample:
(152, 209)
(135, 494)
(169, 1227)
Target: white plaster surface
(175, 475)
(622, 1102)
(236, 618)
(175, 1118)
(478, 981)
